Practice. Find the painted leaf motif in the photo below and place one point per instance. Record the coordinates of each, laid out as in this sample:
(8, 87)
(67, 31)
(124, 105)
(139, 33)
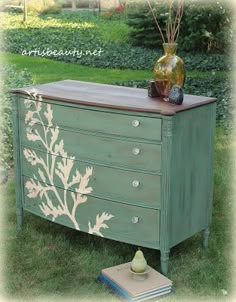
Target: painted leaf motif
(78, 198)
(64, 170)
(75, 179)
(31, 157)
(38, 106)
(59, 147)
(49, 115)
(55, 212)
(83, 189)
(41, 174)
(54, 136)
(33, 136)
(33, 188)
(57, 163)
(99, 224)
(33, 122)
(29, 116)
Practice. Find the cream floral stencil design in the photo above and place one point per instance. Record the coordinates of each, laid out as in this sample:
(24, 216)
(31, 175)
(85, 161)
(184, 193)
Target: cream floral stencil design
(57, 164)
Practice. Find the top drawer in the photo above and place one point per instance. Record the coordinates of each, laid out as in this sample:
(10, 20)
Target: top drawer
(98, 121)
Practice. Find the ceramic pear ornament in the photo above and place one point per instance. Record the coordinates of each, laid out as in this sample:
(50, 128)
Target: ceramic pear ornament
(139, 263)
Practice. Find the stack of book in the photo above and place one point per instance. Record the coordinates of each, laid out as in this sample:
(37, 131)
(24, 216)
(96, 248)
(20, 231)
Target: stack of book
(121, 280)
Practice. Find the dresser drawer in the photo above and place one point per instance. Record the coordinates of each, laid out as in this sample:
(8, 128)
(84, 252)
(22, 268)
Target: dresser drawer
(96, 216)
(106, 182)
(98, 148)
(98, 121)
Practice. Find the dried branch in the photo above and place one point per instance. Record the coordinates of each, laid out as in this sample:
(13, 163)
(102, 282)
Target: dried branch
(172, 28)
(180, 12)
(155, 19)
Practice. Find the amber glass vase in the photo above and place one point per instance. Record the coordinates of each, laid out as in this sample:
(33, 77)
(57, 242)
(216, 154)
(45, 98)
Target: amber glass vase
(169, 70)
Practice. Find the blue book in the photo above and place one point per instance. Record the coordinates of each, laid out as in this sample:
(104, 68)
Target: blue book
(120, 279)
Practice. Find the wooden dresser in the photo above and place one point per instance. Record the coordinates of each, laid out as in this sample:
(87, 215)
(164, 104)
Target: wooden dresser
(110, 161)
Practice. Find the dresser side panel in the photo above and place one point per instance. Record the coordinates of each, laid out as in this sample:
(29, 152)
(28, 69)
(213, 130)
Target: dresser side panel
(191, 172)
(17, 159)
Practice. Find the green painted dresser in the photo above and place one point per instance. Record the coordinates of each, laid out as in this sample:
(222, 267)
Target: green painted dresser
(110, 161)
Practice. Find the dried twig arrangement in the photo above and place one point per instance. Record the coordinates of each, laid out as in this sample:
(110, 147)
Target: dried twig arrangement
(173, 22)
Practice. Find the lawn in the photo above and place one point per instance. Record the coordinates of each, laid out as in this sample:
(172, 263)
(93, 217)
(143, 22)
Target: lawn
(46, 259)
(43, 70)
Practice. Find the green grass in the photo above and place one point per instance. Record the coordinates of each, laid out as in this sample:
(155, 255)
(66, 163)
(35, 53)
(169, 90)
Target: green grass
(46, 70)
(48, 259)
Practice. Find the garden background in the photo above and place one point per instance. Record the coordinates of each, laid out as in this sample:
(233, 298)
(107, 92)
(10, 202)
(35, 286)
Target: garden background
(36, 258)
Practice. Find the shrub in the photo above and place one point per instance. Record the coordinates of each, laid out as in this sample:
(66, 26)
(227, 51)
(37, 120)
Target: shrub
(217, 87)
(114, 13)
(83, 32)
(205, 26)
(9, 79)
(144, 31)
(53, 9)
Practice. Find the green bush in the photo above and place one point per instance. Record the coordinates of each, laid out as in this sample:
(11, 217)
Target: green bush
(144, 31)
(217, 87)
(53, 9)
(9, 79)
(205, 26)
(84, 31)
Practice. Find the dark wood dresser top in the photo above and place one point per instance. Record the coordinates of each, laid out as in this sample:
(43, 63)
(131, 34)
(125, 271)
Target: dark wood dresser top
(111, 96)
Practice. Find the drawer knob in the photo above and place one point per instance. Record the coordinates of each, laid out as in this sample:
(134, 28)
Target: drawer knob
(135, 219)
(135, 123)
(135, 183)
(136, 151)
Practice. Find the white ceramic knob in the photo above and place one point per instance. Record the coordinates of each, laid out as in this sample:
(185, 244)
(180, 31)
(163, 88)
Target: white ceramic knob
(135, 219)
(135, 183)
(136, 151)
(135, 123)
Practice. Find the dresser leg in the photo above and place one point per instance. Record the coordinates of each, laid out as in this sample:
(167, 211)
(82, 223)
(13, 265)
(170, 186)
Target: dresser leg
(19, 216)
(206, 233)
(164, 261)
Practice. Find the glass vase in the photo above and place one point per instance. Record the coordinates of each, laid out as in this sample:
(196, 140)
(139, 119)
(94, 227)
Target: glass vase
(169, 70)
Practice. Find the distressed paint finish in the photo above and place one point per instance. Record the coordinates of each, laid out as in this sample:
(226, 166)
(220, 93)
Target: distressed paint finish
(165, 192)
(122, 226)
(191, 172)
(103, 122)
(103, 149)
(104, 178)
(17, 159)
(155, 197)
